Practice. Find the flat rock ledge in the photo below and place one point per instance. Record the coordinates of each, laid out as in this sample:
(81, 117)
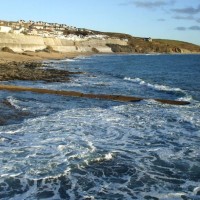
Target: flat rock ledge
(32, 71)
(120, 98)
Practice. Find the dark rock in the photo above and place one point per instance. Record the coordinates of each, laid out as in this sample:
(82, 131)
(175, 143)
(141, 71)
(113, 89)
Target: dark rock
(45, 194)
(116, 48)
(151, 198)
(184, 197)
(7, 49)
(95, 50)
(32, 71)
(11, 114)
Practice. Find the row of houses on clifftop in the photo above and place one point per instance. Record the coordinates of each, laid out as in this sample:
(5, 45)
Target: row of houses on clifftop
(45, 29)
(30, 27)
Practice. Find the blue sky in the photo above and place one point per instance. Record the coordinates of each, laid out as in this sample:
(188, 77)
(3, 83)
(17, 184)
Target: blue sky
(167, 19)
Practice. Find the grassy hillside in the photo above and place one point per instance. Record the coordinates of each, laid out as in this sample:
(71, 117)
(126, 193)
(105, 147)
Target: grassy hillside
(139, 45)
(180, 44)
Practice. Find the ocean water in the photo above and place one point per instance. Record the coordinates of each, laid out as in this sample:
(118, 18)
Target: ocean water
(56, 147)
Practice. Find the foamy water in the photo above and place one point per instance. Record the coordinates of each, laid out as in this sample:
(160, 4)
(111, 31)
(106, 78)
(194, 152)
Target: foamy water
(71, 148)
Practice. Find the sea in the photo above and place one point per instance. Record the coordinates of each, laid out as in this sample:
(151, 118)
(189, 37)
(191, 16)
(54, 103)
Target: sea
(57, 147)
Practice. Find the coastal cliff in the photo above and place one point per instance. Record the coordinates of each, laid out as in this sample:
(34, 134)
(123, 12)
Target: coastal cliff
(114, 42)
(149, 45)
(29, 36)
(21, 43)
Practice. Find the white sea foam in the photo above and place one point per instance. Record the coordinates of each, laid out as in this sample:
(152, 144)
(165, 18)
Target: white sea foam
(74, 139)
(106, 157)
(92, 147)
(60, 61)
(67, 60)
(14, 102)
(82, 57)
(186, 98)
(171, 196)
(109, 156)
(197, 189)
(153, 86)
(95, 149)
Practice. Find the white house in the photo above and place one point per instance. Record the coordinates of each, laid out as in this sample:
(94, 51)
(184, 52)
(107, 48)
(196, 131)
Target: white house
(18, 30)
(39, 23)
(32, 31)
(21, 21)
(5, 29)
(31, 22)
(38, 26)
(148, 39)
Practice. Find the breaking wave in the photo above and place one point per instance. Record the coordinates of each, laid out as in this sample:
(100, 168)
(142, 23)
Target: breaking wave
(154, 86)
(14, 102)
(77, 148)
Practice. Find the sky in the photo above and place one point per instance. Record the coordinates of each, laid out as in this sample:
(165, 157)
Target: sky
(164, 19)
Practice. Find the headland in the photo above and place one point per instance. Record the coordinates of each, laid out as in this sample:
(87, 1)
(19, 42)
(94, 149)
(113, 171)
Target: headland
(28, 37)
(24, 44)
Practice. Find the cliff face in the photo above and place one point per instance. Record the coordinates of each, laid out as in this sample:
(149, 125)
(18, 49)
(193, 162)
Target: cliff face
(115, 42)
(20, 43)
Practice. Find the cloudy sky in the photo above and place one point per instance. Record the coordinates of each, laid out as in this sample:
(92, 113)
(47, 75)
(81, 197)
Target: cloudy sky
(169, 19)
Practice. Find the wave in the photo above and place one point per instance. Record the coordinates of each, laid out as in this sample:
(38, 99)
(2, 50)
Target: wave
(153, 54)
(68, 60)
(13, 102)
(154, 86)
(186, 98)
(60, 61)
(82, 57)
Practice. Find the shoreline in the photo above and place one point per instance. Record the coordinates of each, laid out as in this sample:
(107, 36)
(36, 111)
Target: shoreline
(28, 66)
(7, 57)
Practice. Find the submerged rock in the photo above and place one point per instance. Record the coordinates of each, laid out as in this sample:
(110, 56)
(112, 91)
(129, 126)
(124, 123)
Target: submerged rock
(10, 113)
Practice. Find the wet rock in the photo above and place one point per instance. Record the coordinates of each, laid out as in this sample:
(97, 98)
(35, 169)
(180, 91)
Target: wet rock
(184, 197)
(32, 71)
(151, 198)
(10, 114)
(45, 194)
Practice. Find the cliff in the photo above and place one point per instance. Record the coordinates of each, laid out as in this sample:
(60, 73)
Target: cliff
(114, 42)
(143, 45)
(21, 43)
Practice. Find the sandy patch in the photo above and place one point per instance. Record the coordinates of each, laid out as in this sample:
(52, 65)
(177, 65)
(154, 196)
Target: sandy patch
(6, 57)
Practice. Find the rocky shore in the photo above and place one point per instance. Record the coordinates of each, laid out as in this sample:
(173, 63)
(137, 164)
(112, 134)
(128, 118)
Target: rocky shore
(31, 71)
(29, 66)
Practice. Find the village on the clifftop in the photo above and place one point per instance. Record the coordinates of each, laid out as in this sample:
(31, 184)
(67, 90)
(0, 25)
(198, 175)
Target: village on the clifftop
(45, 29)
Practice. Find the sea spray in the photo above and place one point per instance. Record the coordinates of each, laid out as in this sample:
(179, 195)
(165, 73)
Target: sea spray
(76, 148)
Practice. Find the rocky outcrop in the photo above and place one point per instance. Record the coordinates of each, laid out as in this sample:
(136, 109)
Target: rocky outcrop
(31, 72)
(116, 48)
(90, 96)
(11, 114)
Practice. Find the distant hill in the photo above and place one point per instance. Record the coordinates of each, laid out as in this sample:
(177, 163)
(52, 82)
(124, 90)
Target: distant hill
(22, 36)
(142, 45)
